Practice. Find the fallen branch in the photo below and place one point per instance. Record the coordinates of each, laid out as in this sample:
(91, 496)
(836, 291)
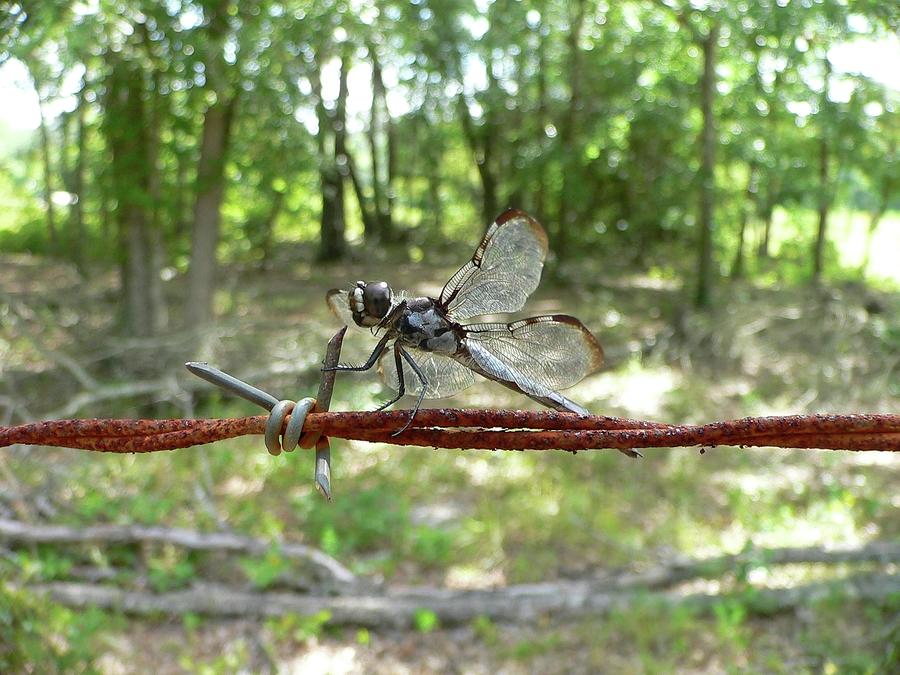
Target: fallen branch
(661, 576)
(398, 609)
(664, 576)
(163, 389)
(16, 531)
(66, 362)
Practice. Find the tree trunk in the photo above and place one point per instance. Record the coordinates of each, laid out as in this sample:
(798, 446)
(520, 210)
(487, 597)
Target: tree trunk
(332, 224)
(159, 311)
(210, 191)
(77, 212)
(433, 152)
(388, 227)
(378, 196)
(276, 201)
(702, 297)
(210, 180)
(481, 152)
(332, 245)
(540, 199)
(47, 165)
(381, 122)
(341, 158)
(369, 217)
(567, 214)
(768, 214)
(106, 217)
(824, 189)
(513, 153)
(773, 181)
(488, 179)
(874, 220)
(737, 268)
(127, 136)
(824, 207)
(181, 197)
(489, 134)
(139, 307)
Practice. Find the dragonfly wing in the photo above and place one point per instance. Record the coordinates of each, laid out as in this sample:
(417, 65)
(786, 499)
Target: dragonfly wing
(339, 304)
(504, 271)
(540, 355)
(445, 376)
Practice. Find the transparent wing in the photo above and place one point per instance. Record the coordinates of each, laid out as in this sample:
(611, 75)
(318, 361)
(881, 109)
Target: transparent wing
(445, 376)
(504, 271)
(540, 355)
(339, 304)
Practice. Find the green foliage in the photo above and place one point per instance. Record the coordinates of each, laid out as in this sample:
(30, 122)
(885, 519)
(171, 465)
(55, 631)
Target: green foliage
(731, 616)
(264, 571)
(432, 547)
(44, 564)
(842, 648)
(524, 650)
(659, 633)
(191, 622)
(593, 122)
(363, 638)
(364, 520)
(486, 631)
(229, 660)
(425, 620)
(299, 629)
(38, 636)
(170, 571)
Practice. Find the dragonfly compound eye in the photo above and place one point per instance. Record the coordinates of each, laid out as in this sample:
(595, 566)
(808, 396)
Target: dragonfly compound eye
(377, 298)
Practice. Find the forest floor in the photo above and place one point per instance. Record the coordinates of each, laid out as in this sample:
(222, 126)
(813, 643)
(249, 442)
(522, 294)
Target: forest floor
(412, 517)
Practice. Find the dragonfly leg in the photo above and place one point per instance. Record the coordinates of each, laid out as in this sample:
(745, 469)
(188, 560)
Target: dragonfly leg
(422, 380)
(379, 348)
(401, 383)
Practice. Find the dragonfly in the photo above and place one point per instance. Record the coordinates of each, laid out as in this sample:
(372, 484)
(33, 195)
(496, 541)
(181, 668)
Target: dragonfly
(425, 349)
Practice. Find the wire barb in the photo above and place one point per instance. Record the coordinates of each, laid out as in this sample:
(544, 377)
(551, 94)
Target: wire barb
(326, 388)
(231, 384)
(290, 416)
(284, 429)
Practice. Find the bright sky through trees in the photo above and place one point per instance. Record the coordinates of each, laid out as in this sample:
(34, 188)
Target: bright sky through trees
(877, 59)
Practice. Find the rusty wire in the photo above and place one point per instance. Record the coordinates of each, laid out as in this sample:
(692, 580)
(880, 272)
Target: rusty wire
(477, 429)
(449, 428)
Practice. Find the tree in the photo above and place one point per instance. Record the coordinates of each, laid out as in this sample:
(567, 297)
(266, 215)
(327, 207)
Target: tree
(825, 187)
(644, 132)
(217, 123)
(703, 27)
(127, 132)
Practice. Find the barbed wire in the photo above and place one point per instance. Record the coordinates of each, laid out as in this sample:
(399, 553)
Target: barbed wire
(483, 429)
(308, 424)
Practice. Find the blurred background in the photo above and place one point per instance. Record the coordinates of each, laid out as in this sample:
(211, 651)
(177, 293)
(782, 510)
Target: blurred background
(184, 180)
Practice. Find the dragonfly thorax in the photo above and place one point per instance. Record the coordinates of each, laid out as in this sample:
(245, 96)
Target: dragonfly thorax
(424, 326)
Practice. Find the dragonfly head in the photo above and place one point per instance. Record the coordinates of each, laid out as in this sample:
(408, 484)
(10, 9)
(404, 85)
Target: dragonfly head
(370, 302)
